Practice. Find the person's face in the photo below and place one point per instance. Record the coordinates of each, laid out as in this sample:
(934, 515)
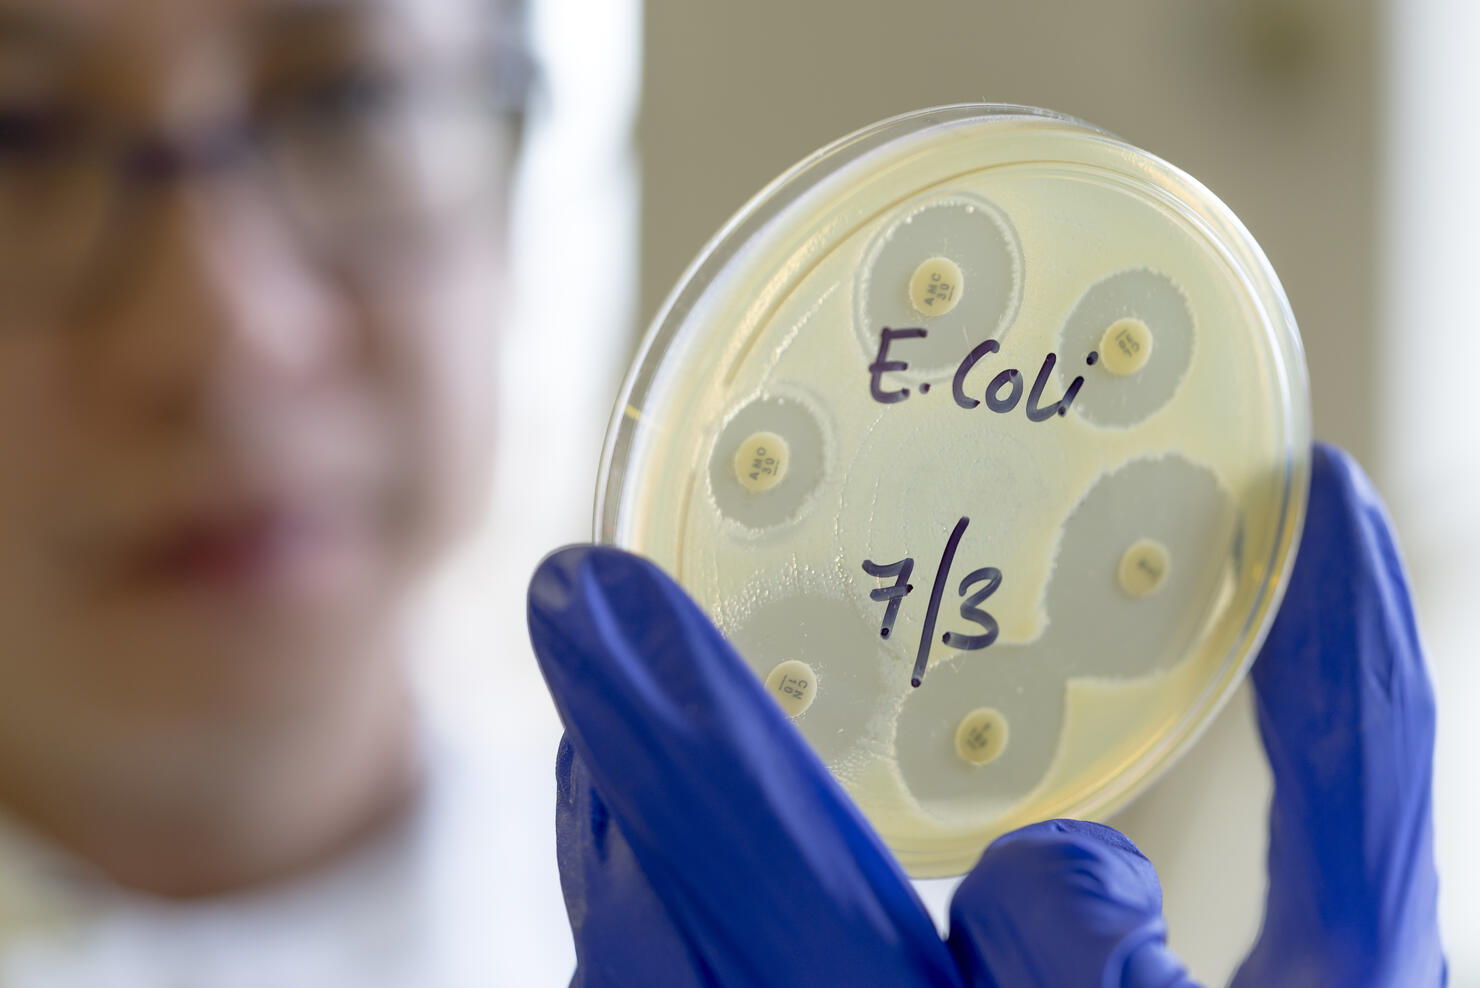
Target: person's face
(250, 261)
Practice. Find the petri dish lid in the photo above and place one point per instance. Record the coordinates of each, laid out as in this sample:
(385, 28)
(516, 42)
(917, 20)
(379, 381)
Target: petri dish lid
(984, 436)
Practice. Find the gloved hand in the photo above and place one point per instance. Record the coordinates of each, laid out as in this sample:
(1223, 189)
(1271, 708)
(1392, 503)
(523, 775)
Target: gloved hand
(702, 843)
(1346, 713)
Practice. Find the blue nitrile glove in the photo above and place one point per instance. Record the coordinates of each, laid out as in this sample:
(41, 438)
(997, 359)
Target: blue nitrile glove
(1347, 717)
(702, 843)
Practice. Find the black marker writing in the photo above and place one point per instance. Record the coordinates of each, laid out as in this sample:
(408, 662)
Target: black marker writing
(941, 572)
(985, 580)
(881, 364)
(893, 594)
(1003, 394)
(991, 576)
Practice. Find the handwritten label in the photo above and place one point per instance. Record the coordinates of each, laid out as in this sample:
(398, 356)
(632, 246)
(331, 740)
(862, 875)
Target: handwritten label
(1003, 393)
(975, 588)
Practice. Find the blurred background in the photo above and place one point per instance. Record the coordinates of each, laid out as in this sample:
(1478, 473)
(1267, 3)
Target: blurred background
(1340, 131)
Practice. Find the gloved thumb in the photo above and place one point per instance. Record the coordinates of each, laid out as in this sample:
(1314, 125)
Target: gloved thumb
(729, 832)
(1063, 902)
(1346, 712)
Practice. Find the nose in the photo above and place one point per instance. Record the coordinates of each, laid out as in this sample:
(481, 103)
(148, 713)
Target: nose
(221, 312)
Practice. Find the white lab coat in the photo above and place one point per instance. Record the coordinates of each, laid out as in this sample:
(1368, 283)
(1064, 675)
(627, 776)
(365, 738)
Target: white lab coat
(455, 894)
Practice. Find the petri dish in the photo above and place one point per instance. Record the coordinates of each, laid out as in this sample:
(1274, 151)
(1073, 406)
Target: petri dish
(984, 436)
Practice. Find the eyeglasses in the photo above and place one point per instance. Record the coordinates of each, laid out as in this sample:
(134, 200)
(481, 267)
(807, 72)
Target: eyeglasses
(353, 160)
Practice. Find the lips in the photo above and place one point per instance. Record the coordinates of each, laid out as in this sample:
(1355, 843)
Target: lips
(257, 547)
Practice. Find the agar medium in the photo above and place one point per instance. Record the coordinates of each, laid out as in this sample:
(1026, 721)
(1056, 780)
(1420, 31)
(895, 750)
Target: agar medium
(983, 435)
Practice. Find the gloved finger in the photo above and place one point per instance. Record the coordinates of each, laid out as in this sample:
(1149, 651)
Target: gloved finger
(761, 860)
(622, 931)
(1063, 902)
(1346, 713)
